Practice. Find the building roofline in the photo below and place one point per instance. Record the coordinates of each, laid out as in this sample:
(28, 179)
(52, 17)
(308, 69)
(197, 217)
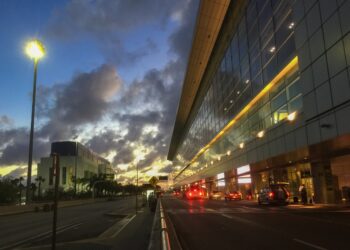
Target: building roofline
(209, 20)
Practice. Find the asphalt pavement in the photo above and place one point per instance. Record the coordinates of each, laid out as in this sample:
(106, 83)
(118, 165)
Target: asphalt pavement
(102, 225)
(216, 224)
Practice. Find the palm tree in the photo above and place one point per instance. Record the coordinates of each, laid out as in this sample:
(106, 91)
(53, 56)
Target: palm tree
(39, 179)
(33, 187)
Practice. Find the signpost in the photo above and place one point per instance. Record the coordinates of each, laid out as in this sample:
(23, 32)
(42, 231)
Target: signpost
(56, 174)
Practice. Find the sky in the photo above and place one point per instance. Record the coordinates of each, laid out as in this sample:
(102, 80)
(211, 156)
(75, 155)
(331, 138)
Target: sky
(111, 79)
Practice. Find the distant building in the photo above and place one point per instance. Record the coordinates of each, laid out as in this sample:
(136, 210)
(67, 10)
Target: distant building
(163, 182)
(74, 157)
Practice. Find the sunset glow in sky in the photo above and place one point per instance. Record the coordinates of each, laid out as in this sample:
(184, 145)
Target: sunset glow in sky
(111, 78)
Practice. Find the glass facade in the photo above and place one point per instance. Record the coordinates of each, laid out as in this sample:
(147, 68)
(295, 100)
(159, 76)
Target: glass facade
(261, 46)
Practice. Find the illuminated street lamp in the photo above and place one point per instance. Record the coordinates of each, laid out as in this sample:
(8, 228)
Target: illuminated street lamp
(35, 50)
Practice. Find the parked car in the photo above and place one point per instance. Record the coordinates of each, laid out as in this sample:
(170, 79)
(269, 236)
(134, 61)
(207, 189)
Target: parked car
(216, 195)
(274, 194)
(235, 195)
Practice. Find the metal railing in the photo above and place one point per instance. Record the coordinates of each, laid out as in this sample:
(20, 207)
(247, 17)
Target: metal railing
(164, 229)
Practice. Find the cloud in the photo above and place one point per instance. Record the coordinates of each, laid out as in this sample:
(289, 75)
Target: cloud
(128, 117)
(109, 22)
(84, 100)
(5, 121)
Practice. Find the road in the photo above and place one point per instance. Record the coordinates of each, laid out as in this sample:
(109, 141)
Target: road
(213, 224)
(74, 223)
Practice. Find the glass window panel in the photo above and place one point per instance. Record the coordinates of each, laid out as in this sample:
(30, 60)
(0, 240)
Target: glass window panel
(265, 16)
(280, 114)
(283, 10)
(251, 14)
(268, 52)
(254, 50)
(279, 100)
(293, 89)
(255, 66)
(296, 104)
(261, 4)
(253, 34)
(244, 65)
(266, 35)
(286, 52)
(268, 121)
(257, 83)
(270, 70)
(283, 32)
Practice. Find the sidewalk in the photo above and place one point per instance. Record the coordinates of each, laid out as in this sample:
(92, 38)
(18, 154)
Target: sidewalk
(312, 205)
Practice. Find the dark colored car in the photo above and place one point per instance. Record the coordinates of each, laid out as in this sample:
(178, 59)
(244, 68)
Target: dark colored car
(233, 196)
(274, 194)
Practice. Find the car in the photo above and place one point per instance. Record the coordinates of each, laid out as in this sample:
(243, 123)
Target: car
(194, 193)
(176, 193)
(235, 195)
(216, 195)
(274, 194)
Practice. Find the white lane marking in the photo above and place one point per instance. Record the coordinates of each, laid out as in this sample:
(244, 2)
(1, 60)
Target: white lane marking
(116, 233)
(42, 235)
(310, 244)
(227, 216)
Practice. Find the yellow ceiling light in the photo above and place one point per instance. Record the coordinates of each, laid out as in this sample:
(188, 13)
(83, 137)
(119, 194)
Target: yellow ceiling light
(35, 49)
(261, 134)
(292, 116)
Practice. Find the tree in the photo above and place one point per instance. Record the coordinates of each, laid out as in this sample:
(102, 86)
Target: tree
(33, 188)
(39, 180)
(8, 190)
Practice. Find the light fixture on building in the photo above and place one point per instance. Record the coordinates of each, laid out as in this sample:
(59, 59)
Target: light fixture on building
(272, 49)
(261, 134)
(241, 145)
(291, 25)
(231, 101)
(247, 81)
(212, 162)
(225, 108)
(238, 92)
(292, 116)
(219, 158)
(228, 152)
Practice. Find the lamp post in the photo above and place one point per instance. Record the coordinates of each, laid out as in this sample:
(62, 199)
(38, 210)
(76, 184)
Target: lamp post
(137, 185)
(35, 51)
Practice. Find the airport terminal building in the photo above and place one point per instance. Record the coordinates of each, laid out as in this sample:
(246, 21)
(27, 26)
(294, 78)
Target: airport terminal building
(266, 99)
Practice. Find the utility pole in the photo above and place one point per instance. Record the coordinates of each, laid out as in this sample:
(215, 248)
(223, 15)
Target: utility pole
(56, 173)
(137, 186)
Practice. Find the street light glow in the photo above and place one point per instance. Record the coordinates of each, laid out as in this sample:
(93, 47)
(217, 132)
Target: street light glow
(35, 49)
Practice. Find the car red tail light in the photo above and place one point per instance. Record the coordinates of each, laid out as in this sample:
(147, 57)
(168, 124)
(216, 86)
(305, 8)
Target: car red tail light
(200, 193)
(271, 194)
